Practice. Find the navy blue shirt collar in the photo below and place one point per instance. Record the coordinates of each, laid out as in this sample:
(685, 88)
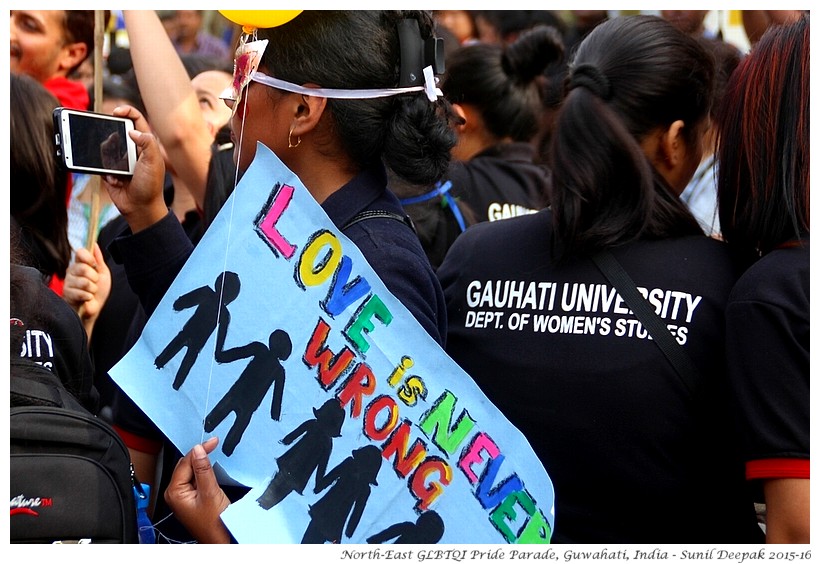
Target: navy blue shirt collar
(358, 194)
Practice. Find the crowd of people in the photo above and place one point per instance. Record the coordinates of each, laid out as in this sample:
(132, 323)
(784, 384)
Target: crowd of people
(558, 146)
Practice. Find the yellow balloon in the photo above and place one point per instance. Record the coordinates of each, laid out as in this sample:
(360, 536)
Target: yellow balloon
(252, 19)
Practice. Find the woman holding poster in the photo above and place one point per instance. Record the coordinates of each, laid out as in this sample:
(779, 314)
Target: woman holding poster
(334, 95)
(635, 455)
(338, 97)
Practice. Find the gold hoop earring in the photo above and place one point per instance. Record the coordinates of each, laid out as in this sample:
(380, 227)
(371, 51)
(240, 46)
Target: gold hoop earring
(290, 142)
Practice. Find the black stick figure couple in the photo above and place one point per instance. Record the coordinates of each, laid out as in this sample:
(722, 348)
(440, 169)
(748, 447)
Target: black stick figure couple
(262, 372)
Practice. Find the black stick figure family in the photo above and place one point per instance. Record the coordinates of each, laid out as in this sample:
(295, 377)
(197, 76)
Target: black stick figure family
(347, 486)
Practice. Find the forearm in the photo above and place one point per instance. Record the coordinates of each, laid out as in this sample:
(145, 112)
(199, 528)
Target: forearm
(152, 259)
(787, 511)
(88, 324)
(217, 533)
(169, 99)
(163, 81)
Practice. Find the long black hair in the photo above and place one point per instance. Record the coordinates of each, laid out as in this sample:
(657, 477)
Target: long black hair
(763, 146)
(38, 182)
(359, 49)
(630, 76)
(502, 81)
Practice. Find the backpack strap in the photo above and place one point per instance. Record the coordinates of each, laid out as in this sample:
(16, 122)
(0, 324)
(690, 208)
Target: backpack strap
(370, 214)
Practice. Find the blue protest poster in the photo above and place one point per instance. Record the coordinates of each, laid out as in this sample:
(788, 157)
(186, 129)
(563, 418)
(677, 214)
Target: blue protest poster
(349, 423)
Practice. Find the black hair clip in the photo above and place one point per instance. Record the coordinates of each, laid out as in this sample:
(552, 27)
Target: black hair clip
(417, 54)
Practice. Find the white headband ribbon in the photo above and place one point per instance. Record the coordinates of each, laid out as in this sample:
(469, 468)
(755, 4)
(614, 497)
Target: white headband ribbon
(429, 88)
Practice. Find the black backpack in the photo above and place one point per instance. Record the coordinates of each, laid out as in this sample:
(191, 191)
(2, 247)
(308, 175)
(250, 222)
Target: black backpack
(71, 475)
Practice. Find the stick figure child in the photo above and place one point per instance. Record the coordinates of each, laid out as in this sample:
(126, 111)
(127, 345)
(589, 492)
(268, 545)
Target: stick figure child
(428, 529)
(346, 499)
(309, 454)
(211, 308)
(246, 395)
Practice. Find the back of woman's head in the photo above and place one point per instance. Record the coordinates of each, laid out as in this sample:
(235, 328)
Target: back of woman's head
(630, 77)
(221, 175)
(38, 182)
(763, 144)
(502, 81)
(359, 49)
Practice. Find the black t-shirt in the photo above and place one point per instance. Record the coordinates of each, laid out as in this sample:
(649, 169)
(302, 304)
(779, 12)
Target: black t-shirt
(633, 457)
(45, 330)
(767, 326)
(501, 182)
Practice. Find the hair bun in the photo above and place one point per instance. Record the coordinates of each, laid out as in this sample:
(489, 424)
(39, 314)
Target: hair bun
(530, 55)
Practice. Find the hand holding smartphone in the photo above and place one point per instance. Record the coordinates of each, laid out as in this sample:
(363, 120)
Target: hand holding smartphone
(94, 143)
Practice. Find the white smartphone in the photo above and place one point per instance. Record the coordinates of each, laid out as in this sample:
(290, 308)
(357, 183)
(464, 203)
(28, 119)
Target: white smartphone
(94, 143)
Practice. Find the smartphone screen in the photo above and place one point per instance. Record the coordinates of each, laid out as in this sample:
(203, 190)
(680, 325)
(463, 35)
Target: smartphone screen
(96, 143)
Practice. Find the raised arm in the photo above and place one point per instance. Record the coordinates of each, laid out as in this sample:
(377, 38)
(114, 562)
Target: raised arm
(170, 100)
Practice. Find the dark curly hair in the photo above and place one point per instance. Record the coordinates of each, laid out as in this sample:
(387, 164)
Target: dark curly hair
(360, 49)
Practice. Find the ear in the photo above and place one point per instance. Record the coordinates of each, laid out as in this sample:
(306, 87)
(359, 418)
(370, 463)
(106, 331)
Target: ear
(71, 56)
(672, 145)
(461, 112)
(307, 112)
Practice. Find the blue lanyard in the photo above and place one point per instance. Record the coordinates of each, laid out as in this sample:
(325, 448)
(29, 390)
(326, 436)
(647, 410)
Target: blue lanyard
(442, 190)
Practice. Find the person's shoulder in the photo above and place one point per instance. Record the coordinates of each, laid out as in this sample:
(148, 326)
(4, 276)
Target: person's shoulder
(697, 262)
(697, 248)
(388, 241)
(211, 45)
(511, 241)
(32, 300)
(26, 275)
(70, 93)
(778, 275)
(513, 231)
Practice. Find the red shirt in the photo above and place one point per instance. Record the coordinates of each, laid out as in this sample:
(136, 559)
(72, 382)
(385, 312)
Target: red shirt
(70, 93)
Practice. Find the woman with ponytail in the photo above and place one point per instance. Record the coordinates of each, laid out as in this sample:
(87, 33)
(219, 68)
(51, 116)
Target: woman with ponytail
(635, 453)
(495, 91)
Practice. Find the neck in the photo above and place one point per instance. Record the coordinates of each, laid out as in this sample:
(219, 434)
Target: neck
(469, 145)
(183, 199)
(320, 175)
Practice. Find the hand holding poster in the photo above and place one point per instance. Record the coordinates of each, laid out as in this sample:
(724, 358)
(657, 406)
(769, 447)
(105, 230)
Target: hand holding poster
(347, 420)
